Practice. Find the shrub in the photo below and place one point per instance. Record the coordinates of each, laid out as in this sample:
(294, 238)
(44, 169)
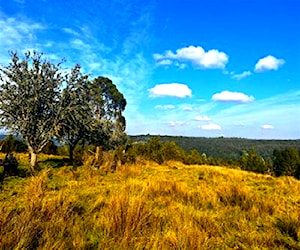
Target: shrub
(251, 161)
(286, 162)
(171, 151)
(194, 157)
(153, 150)
(50, 148)
(10, 164)
(12, 144)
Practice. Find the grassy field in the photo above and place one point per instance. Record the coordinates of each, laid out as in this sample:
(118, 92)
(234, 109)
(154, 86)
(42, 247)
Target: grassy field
(148, 206)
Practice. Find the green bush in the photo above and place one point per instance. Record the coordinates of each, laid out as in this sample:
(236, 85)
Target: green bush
(50, 148)
(12, 144)
(286, 162)
(171, 151)
(251, 161)
(194, 157)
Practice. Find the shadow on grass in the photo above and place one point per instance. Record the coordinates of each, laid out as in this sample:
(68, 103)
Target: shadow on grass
(55, 163)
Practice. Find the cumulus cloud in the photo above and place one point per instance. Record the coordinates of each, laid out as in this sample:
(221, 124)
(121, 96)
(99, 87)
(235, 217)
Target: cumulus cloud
(210, 126)
(165, 107)
(267, 126)
(268, 63)
(170, 89)
(228, 96)
(158, 57)
(202, 118)
(187, 108)
(165, 62)
(211, 59)
(176, 123)
(241, 76)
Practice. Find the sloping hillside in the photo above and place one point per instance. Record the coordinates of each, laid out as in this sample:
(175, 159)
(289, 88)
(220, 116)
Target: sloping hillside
(225, 148)
(148, 206)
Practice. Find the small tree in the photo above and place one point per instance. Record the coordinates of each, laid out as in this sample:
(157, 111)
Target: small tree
(171, 151)
(194, 157)
(253, 162)
(286, 162)
(153, 150)
(30, 92)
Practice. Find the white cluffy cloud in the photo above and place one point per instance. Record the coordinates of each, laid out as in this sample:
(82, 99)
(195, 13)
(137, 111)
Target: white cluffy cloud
(176, 123)
(228, 96)
(267, 126)
(241, 76)
(202, 118)
(268, 63)
(211, 59)
(210, 126)
(170, 89)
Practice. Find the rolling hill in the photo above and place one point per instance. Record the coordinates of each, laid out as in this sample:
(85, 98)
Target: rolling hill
(225, 148)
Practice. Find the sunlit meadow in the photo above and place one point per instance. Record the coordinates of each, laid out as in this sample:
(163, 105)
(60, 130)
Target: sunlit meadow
(148, 206)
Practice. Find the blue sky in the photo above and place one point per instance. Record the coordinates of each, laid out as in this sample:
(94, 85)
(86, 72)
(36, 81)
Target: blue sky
(191, 68)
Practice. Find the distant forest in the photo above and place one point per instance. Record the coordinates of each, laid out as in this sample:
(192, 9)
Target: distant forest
(225, 148)
(221, 147)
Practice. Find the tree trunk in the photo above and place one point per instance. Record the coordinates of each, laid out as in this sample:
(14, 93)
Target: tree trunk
(33, 161)
(98, 156)
(71, 155)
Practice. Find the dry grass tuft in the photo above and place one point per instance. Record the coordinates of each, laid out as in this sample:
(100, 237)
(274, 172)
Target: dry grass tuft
(148, 206)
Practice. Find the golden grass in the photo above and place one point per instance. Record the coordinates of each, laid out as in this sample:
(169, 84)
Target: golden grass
(148, 206)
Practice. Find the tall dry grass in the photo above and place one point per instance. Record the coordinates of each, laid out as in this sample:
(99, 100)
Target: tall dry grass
(148, 206)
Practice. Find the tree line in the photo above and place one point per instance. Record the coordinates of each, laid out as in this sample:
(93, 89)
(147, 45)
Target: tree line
(40, 101)
(226, 148)
(284, 161)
